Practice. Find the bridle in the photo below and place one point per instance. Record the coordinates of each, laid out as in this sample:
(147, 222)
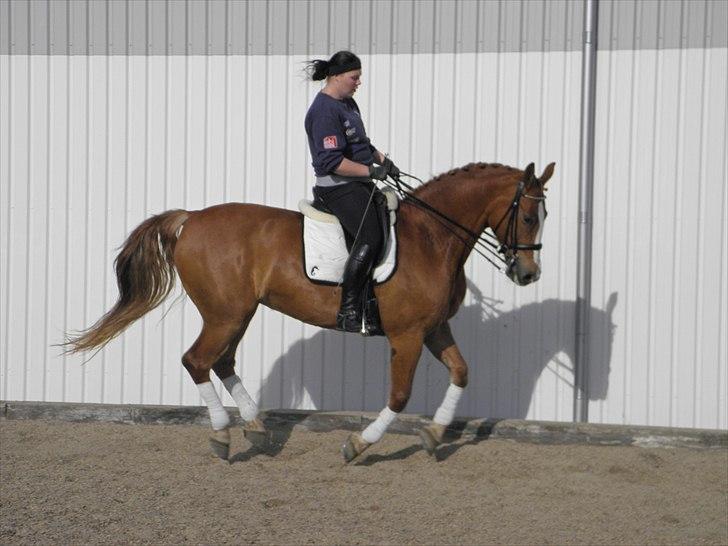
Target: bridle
(511, 244)
(507, 252)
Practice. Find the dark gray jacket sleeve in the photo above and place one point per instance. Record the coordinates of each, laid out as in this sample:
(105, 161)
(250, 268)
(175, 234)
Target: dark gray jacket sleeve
(329, 142)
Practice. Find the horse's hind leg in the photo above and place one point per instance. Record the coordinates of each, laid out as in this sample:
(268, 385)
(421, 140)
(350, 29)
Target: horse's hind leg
(442, 345)
(212, 344)
(224, 368)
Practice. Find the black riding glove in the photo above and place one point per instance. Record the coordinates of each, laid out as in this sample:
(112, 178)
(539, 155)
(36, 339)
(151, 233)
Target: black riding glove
(392, 169)
(378, 172)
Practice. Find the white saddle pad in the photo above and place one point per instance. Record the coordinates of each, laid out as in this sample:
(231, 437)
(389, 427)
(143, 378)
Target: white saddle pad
(324, 247)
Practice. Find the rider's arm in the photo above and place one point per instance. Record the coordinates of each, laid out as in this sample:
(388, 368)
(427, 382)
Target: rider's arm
(327, 141)
(378, 157)
(347, 167)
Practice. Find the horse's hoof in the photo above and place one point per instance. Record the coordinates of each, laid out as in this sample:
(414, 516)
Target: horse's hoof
(220, 443)
(258, 438)
(354, 446)
(431, 436)
(255, 432)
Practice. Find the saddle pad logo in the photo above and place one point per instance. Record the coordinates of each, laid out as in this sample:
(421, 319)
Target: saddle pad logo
(330, 142)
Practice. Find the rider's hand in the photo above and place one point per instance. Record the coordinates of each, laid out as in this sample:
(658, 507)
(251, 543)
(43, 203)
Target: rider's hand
(392, 169)
(378, 172)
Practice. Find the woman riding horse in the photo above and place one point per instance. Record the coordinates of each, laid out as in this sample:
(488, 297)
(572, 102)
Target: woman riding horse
(343, 160)
(233, 257)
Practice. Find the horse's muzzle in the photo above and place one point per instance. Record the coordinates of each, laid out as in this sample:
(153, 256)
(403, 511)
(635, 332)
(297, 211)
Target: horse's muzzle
(521, 272)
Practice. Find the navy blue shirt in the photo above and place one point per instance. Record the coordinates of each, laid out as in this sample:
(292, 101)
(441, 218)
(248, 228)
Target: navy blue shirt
(335, 131)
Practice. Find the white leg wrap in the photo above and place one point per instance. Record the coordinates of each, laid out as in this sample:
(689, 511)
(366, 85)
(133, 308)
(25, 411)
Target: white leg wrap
(248, 408)
(218, 416)
(446, 412)
(375, 431)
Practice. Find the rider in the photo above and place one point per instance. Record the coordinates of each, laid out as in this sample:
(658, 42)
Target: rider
(345, 162)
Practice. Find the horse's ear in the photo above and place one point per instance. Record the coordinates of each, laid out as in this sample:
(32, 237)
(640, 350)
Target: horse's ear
(528, 173)
(547, 173)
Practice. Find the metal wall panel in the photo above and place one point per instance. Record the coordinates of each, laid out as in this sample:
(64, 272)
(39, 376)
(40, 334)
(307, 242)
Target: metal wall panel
(102, 133)
(660, 181)
(106, 141)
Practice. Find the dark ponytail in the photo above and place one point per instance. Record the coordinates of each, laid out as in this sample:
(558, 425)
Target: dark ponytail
(317, 69)
(340, 62)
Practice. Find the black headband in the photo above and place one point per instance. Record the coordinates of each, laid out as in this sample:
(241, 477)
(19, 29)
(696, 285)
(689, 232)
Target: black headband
(340, 69)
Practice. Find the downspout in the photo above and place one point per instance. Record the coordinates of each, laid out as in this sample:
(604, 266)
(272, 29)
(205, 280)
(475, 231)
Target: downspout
(586, 190)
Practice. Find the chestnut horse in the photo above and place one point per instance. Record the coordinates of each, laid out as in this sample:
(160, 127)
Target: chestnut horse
(233, 257)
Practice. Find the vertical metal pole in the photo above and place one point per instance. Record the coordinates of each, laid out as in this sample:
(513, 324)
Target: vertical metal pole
(586, 185)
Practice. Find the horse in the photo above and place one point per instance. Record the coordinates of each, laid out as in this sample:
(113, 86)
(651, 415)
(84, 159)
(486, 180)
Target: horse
(232, 257)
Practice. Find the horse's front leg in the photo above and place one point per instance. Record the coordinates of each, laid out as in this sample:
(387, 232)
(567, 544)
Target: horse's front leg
(442, 345)
(406, 352)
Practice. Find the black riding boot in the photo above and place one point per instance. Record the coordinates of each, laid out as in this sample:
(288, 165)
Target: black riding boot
(356, 272)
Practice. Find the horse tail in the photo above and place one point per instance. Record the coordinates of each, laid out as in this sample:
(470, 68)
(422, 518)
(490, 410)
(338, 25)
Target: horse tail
(145, 275)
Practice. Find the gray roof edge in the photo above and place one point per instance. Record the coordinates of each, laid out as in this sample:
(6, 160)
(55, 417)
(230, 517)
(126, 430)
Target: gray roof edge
(88, 27)
(13, 50)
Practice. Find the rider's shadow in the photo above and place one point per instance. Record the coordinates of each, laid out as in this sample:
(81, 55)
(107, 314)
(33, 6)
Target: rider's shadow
(508, 354)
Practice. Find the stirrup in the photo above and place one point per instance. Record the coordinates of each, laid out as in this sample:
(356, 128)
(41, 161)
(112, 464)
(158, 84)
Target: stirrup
(366, 326)
(371, 328)
(372, 321)
(348, 321)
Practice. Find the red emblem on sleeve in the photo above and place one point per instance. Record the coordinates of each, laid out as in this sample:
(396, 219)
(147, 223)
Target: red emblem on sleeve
(330, 142)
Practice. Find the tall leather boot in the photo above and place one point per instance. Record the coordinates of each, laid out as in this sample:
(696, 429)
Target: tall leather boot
(356, 271)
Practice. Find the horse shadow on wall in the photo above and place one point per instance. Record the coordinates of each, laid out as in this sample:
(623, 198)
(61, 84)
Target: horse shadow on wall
(507, 353)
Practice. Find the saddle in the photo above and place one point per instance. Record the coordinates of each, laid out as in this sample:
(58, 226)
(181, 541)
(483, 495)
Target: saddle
(326, 247)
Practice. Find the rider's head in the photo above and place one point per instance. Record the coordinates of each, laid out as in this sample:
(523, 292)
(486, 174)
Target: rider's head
(342, 73)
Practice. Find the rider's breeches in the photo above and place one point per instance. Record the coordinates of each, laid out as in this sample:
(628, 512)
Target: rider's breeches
(348, 202)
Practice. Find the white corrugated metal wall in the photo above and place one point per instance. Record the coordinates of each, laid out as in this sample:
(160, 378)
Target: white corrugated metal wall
(660, 213)
(110, 112)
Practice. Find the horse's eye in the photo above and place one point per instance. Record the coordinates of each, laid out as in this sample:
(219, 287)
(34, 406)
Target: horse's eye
(529, 220)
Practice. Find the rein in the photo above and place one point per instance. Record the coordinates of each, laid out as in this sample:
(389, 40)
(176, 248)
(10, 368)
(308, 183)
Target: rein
(506, 252)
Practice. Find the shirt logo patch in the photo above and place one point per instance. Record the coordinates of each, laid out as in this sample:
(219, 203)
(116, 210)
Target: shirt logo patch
(330, 142)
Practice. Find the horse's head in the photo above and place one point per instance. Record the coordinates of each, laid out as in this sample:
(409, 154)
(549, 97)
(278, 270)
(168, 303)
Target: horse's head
(520, 225)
